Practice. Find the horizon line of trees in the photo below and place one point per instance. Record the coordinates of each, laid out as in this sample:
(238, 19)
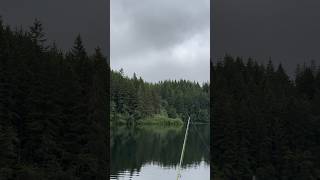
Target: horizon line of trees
(53, 108)
(264, 124)
(133, 99)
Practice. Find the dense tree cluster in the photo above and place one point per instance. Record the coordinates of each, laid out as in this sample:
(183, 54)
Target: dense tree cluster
(133, 99)
(265, 124)
(52, 109)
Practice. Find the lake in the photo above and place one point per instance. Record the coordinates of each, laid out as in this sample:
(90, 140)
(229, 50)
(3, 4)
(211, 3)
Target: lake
(153, 152)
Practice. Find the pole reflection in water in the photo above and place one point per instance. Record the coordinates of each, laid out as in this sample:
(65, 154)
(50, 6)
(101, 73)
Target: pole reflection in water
(150, 152)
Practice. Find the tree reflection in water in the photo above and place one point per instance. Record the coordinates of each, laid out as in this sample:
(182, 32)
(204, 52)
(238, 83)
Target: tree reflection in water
(133, 147)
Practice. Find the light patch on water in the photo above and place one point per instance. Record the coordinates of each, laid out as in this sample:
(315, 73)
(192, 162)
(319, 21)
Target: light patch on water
(155, 172)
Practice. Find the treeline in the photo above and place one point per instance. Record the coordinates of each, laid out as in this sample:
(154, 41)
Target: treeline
(52, 109)
(133, 99)
(265, 124)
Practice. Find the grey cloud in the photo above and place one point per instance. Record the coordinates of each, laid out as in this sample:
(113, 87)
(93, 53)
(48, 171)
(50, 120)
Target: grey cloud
(62, 19)
(286, 30)
(144, 32)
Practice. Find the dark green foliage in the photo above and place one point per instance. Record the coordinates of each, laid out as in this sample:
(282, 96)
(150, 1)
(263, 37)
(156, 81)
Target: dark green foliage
(264, 124)
(53, 109)
(133, 99)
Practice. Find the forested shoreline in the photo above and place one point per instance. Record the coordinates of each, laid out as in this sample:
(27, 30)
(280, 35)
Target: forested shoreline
(264, 124)
(53, 108)
(133, 100)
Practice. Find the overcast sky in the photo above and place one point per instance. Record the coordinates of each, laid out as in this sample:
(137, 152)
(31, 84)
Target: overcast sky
(286, 30)
(161, 39)
(63, 20)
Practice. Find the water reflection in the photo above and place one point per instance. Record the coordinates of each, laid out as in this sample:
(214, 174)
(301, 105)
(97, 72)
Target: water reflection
(141, 152)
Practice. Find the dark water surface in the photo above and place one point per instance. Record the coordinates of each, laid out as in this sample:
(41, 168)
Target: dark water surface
(153, 152)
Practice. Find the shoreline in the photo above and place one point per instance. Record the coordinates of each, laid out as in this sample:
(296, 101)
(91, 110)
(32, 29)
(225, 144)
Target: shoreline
(159, 120)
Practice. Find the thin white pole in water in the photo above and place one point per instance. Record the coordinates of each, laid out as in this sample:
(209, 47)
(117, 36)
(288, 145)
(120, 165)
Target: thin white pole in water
(183, 147)
(253, 177)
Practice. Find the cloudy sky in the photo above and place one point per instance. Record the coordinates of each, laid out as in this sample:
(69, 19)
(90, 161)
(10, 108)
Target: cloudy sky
(63, 20)
(161, 39)
(285, 30)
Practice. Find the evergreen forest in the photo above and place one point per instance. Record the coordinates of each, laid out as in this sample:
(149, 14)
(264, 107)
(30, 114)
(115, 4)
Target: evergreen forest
(133, 99)
(53, 108)
(265, 124)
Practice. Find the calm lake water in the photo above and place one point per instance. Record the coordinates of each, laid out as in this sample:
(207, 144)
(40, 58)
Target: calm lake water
(153, 153)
